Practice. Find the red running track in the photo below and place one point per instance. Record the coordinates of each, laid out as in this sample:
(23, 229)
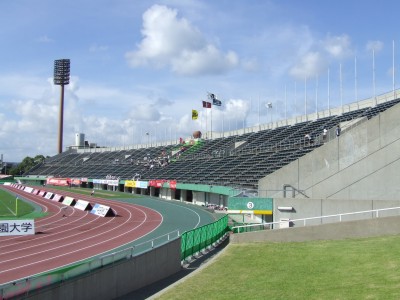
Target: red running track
(62, 240)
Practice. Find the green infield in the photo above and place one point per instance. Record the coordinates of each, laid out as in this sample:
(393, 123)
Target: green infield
(347, 269)
(13, 207)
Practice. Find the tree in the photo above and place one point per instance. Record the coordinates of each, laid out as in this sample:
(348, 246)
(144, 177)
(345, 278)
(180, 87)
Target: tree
(26, 164)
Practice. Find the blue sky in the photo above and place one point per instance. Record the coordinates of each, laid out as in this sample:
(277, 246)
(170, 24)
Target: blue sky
(142, 66)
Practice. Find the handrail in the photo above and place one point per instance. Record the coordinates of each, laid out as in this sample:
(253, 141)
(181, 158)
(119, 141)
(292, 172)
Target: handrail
(286, 186)
(270, 225)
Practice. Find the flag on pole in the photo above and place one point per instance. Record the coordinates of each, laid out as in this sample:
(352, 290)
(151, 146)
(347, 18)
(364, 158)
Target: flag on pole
(206, 104)
(214, 99)
(195, 114)
(217, 102)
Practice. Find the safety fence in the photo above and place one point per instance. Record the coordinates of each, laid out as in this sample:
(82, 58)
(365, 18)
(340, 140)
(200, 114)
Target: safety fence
(249, 227)
(365, 214)
(196, 240)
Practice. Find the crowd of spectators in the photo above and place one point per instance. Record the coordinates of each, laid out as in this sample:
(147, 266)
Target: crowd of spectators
(160, 161)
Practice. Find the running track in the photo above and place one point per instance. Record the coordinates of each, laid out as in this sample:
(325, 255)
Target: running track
(62, 240)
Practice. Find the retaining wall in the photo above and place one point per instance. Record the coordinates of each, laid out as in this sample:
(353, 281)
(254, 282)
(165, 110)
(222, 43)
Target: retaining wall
(118, 279)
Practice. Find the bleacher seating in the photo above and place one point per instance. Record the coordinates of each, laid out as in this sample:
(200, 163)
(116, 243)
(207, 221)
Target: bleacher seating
(237, 160)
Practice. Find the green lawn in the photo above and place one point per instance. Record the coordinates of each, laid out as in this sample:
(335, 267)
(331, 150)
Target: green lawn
(347, 269)
(9, 209)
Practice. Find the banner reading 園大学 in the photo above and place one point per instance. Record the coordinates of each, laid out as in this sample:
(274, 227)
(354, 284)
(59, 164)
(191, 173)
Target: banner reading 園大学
(17, 227)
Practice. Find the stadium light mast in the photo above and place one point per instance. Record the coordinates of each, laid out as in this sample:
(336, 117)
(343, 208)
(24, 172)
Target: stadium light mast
(61, 77)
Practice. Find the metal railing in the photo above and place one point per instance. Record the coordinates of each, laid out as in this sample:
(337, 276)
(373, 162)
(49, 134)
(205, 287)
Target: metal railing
(304, 221)
(196, 240)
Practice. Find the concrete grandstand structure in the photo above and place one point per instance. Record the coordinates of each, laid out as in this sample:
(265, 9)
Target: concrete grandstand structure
(267, 158)
(328, 175)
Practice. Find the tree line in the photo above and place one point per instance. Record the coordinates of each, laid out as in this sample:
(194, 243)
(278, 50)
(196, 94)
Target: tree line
(24, 166)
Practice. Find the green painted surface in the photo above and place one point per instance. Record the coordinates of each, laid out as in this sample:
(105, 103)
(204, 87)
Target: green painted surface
(246, 203)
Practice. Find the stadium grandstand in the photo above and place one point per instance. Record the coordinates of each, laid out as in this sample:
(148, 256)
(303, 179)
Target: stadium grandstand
(236, 159)
(286, 174)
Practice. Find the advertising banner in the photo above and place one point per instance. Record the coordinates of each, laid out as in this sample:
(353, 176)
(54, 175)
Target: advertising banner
(58, 181)
(81, 204)
(100, 210)
(17, 227)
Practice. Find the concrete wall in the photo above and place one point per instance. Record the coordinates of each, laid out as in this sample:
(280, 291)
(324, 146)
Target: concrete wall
(334, 231)
(118, 279)
(362, 163)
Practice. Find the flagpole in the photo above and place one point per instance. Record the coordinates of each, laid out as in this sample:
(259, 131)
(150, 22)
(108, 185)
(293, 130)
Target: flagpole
(223, 134)
(201, 122)
(341, 89)
(305, 97)
(259, 125)
(16, 206)
(329, 92)
(244, 121)
(373, 74)
(251, 106)
(295, 99)
(285, 104)
(206, 123)
(316, 96)
(393, 73)
(211, 119)
(355, 80)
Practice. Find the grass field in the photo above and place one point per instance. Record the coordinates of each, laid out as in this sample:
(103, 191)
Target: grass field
(26, 210)
(9, 209)
(348, 269)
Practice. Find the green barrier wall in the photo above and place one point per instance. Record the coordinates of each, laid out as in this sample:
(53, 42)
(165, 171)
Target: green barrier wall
(195, 240)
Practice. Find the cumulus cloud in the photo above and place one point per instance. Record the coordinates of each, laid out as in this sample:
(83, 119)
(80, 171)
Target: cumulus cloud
(320, 54)
(309, 65)
(338, 46)
(145, 112)
(374, 45)
(174, 42)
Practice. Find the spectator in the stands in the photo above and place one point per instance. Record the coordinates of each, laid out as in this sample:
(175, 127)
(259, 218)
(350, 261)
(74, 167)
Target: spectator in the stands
(308, 138)
(338, 130)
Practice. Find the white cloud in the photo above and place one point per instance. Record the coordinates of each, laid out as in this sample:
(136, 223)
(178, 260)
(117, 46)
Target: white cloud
(320, 54)
(207, 60)
(338, 46)
(176, 43)
(374, 45)
(144, 112)
(310, 64)
(250, 64)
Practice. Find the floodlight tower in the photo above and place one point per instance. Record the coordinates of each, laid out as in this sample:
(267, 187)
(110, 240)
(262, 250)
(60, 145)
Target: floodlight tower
(61, 77)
